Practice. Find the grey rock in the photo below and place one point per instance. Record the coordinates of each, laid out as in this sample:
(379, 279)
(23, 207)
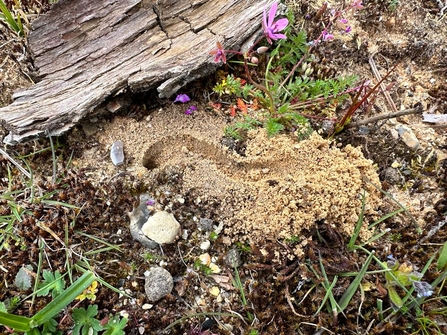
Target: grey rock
(137, 218)
(391, 175)
(158, 284)
(205, 224)
(233, 258)
(162, 227)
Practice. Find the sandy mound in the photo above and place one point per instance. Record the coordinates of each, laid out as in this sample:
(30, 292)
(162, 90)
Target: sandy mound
(279, 189)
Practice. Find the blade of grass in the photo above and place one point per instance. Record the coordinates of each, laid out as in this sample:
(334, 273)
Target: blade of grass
(63, 300)
(16, 322)
(349, 293)
(39, 270)
(99, 240)
(416, 225)
(442, 259)
(358, 226)
(9, 19)
(386, 216)
(328, 288)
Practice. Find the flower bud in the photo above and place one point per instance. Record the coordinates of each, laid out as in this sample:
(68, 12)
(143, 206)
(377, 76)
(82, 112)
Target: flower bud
(308, 71)
(262, 50)
(254, 60)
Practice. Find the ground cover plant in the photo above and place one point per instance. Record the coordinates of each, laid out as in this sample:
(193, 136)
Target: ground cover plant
(65, 243)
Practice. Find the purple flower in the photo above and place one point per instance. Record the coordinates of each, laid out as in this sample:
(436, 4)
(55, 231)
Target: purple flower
(182, 98)
(150, 202)
(327, 36)
(272, 29)
(348, 29)
(423, 288)
(219, 53)
(190, 110)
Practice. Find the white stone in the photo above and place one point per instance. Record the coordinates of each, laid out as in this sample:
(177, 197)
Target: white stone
(205, 245)
(117, 153)
(162, 227)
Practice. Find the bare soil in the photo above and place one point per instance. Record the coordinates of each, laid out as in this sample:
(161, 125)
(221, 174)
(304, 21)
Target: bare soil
(283, 204)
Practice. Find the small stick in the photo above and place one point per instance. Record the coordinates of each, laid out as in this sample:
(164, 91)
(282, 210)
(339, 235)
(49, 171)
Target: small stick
(382, 85)
(26, 173)
(384, 117)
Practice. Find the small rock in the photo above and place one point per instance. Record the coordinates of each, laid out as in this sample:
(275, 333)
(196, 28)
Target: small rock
(205, 224)
(147, 306)
(408, 137)
(158, 284)
(391, 175)
(137, 218)
(162, 227)
(205, 245)
(233, 258)
(214, 291)
(117, 153)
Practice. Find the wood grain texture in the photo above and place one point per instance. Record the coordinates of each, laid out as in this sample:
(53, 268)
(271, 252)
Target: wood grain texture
(89, 51)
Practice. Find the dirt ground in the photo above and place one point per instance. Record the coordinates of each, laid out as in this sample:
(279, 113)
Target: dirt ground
(282, 203)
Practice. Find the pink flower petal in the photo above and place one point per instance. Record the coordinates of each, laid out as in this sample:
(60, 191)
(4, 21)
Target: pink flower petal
(280, 25)
(272, 14)
(278, 37)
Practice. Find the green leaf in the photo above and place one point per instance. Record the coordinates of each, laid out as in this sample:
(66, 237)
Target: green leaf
(52, 282)
(115, 326)
(273, 127)
(50, 328)
(85, 321)
(63, 300)
(442, 259)
(394, 296)
(349, 293)
(23, 278)
(16, 322)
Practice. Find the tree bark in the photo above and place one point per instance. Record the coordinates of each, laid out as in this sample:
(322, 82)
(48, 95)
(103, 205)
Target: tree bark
(89, 51)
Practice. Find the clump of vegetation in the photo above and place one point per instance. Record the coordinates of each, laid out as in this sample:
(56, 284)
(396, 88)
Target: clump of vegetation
(14, 21)
(290, 86)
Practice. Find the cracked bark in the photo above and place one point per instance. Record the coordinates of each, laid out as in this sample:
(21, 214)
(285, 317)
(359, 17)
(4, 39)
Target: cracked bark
(88, 51)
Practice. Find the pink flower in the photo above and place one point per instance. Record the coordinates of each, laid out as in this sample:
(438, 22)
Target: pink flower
(219, 53)
(272, 29)
(357, 4)
(327, 36)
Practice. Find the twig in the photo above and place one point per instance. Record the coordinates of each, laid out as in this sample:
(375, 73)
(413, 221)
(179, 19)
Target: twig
(26, 173)
(376, 72)
(289, 301)
(379, 117)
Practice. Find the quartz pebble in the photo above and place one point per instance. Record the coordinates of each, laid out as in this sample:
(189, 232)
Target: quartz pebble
(117, 153)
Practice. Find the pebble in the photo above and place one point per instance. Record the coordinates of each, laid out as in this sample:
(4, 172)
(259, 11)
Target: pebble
(205, 224)
(137, 218)
(158, 284)
(162, 227)
(391, 175)
(233, 258)
(407, 136)
(117, 153)
(205, 245)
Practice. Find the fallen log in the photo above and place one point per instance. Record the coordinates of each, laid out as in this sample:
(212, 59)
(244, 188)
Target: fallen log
(89, 51)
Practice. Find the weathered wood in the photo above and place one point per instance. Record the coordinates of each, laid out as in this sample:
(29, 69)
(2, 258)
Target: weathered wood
(87, 51)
